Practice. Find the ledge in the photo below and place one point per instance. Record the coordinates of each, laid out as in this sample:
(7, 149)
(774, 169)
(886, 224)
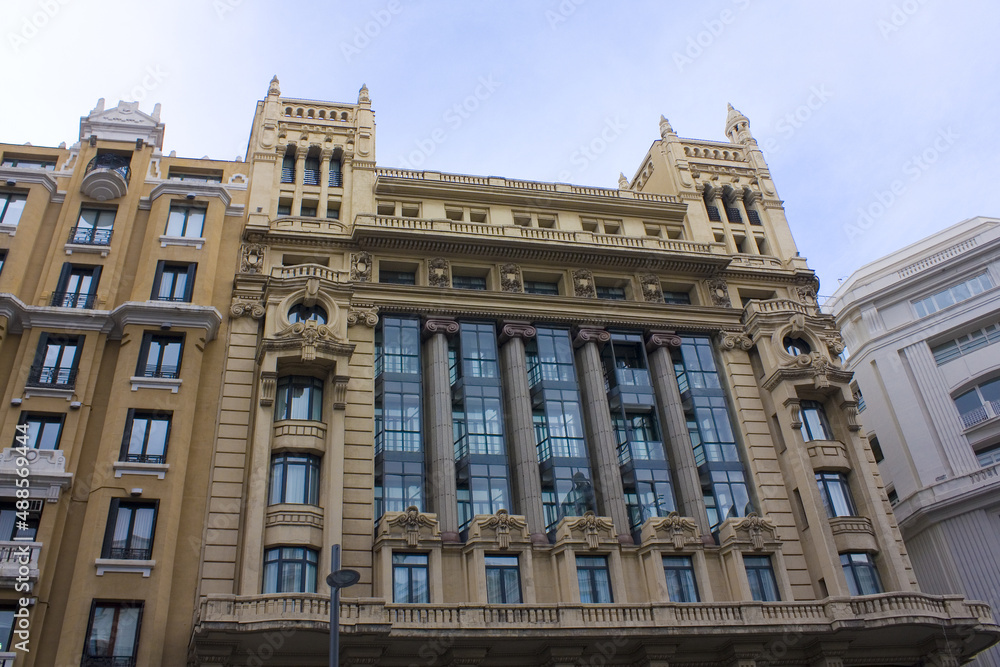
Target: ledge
(102, 250)
(193, 241)
(46, 470)
(128, 566)
(173, 384)
(10, 230)
(131, 468)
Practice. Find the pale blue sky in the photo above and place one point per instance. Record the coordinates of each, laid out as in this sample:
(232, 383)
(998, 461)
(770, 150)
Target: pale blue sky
(887, 81)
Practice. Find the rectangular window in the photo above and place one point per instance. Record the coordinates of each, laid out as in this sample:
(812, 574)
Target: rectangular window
(11, 207)
(952, 295)
(77, 286)
(503, 580)
(14, 525)
(112, 634)
(679, 298)
(681, 585)
(713, 213)
(541, 287)
(288, 168)
(310, 175)
(129, 535)
(3, 260)
(753, 216)
(294, 479)
(397, 277)
(876, 448)
(988, 457)
(733, 214)
(146, 437)
(409, 578)
(861, 574)
(979, 404)
(468, 282)
(963, 345)
(611, 292)
(814, 422)
(299, 397)
(44, 429)
(55, 361)
(173, 282)
(94, 227)
(7, 622)
(336, 176)
(46, 165)
(185, 221)
(160, 356)
(594, 579)
(836, 494)
(290, 570)
(763, 586)
(192, 177)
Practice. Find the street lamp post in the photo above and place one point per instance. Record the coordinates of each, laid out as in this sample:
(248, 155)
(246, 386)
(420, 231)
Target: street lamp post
(337, 579)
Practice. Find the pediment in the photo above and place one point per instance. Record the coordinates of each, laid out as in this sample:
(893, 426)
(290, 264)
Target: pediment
(124, 122)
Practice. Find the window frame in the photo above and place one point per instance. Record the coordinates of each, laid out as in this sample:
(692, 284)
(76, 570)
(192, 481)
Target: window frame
(851, 570)
(97, 233)
(315, 313)
(586, 574)
(758, 568)
(308, 574)
(19, 529)
(187, 209)
(129, 552)
(126, 454)
(5, 207)
(164, 341)
(61, 295)
(43, 418)
(311, 482)
(819, 421)
(399, 564)
(162, 266)
(89, 659)
(827, 480)
(38, 375)
(685, 585)
(284, 409)
(502, 572)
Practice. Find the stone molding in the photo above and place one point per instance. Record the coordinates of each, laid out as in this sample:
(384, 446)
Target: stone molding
(516, 329)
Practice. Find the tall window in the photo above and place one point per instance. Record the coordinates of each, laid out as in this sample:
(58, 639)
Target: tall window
(479, 350)
(336, 176)
(594, 579)
(94, 226)
(160, 356)
(77, 286)
(11, 207)
(979, 403)
(3, 259)
(681, 585)
(288, 167)
(814, 422)
(173, 281)
(503, 580)
(760, 574)
(310, 175)
(861, 574)
(146, 436)
(294, 479)
(290, 570)
(55, 361)
(409, 578)
(129, 535)
(112, 634)
(299, 397)
(19, 524)
(7, 627)
(836, 494)
(185, 221)
(44, 429)
(397, 346)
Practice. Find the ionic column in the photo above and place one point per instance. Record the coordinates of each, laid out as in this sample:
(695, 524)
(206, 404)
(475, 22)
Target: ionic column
(300, 172)
(603, 445)
(526, 482)
(324, 181)
(670, 410)
(439, 444)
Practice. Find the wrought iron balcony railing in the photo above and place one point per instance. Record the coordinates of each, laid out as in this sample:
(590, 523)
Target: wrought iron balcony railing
(167, 372)
(90, 235)
(110, 162)
(129, 553)
(107, 661)
(73, 299)
(336, 179)
(51, 376)
(143, 458)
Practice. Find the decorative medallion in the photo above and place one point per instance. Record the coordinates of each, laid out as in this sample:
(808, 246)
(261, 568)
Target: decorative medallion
(438, 272)
(583, 283)
(246, 306)
(311, 334)
(719, 290)
(510, 278)
(366, 315)
(361, 267)
(732, 341)
(651, 289)
(252, 258)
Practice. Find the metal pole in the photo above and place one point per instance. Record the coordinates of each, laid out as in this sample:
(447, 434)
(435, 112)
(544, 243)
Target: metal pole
(334, 609)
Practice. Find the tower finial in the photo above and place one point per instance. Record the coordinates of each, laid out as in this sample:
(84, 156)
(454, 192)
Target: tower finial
(665, 127)
(273, 88)
(622, 181)
(363, 97)
(738, 126)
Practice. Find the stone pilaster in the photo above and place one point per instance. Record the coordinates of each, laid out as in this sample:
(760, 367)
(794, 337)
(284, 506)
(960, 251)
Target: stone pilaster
(687, 488)
(439, 445)
(603, 445)
(526, 483)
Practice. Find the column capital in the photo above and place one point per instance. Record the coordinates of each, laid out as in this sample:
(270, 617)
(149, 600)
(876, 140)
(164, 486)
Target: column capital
(584, 334)
(516, 329)
(438, 325)
(660, 338)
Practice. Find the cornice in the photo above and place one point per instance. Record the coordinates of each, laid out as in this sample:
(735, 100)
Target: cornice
(40, 176)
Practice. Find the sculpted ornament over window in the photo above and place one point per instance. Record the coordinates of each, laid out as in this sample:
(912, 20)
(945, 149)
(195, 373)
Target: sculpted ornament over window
(438, 272)
(583, 283)
(651, 289)
(732, 341)
(366, 315)
(501, 523)
(510, 278)
(311, 334)
(361, 267)
(719, 290)
(591, 526)
(245, 306)
(252, 258)
(755, 526)
(411, 521)
(835, 344)
(680, 529)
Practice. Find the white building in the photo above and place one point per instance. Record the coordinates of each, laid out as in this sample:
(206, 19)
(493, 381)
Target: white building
(923, 329)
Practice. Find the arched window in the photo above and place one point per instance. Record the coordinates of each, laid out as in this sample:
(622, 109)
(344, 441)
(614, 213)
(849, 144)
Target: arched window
(301, 313)
(796, 346)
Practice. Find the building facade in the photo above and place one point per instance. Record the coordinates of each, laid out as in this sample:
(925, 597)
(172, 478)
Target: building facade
(609, 424)
(922, 326)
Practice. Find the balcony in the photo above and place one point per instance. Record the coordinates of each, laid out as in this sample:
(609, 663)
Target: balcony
(106, 177)
(99, 236)
(54, 377)
(13, 556)
(985, 412)
(73, 300)
(523, 634)
(649, 450)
